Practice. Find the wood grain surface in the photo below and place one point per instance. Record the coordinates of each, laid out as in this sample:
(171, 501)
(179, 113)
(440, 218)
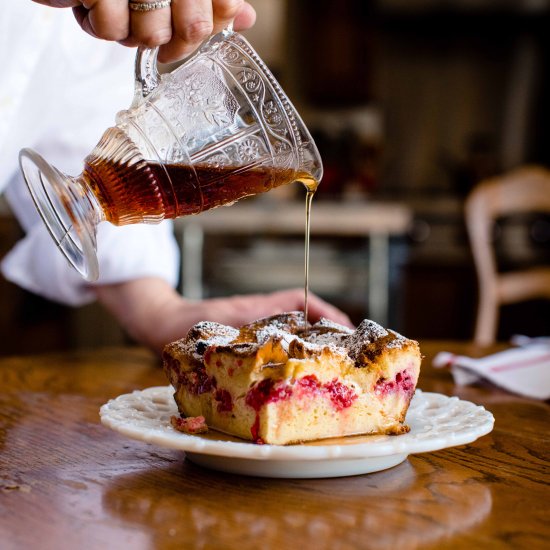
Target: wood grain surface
(68, 482)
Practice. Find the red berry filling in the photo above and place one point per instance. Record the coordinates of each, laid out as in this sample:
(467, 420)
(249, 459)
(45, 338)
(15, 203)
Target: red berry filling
(402, 382)
(225, 402)
(258, 395)
(172, 367)
(342, 396)
(207, 354)
(309, 383)
(266, 391)
(190, 425)
(197, 381)
(255, 431)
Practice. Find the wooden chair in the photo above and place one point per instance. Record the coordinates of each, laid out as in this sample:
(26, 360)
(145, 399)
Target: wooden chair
(523, 190)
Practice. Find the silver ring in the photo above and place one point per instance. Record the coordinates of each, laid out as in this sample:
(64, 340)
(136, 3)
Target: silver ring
(148, 6)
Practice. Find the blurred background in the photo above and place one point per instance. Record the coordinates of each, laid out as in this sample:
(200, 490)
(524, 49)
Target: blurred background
(412, 103)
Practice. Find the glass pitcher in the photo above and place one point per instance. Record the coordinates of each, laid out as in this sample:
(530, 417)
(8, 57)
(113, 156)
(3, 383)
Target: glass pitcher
(216, 129)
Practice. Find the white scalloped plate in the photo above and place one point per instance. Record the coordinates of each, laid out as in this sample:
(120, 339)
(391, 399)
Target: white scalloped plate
(436, 422)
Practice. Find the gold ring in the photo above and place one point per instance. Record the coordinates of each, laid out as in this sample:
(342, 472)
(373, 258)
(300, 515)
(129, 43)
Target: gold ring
(149, 6)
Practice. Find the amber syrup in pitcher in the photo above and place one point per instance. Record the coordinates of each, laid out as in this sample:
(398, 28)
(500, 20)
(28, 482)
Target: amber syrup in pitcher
(151, 189)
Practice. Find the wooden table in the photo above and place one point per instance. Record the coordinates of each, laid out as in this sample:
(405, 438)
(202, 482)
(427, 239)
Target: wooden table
(68, 482)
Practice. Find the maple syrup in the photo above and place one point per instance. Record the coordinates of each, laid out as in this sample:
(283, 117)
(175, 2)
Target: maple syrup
(151, 189)
(311, 186)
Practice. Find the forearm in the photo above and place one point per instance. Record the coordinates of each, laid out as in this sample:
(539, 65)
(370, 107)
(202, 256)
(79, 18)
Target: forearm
(154, 314)
(146, 309)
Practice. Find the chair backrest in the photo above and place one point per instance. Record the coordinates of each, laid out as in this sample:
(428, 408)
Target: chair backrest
(522, 190)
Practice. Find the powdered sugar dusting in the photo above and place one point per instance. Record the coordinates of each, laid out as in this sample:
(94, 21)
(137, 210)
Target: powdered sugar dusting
(205, 334)
(316, 345)
(273, 331)
(326, 339)
(313, 340)
(327, 323)
(331, 336)
(398, 341)
(371, 331)
(289, 328)
(366, 333)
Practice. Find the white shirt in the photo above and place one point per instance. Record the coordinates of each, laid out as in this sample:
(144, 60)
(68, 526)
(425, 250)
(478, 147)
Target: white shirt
(60, 90)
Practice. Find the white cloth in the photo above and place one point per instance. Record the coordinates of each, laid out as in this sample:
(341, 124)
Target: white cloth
(523, 370)
(60, 90)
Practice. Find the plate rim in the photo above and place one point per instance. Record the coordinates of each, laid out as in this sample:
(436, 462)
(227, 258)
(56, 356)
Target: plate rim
(388, 446)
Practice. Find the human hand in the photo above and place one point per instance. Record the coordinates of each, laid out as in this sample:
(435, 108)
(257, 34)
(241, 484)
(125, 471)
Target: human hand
(178, 28)
(154, 314)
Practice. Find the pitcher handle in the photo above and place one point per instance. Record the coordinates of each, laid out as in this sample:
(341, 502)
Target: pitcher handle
(147, 77)
(146, 73)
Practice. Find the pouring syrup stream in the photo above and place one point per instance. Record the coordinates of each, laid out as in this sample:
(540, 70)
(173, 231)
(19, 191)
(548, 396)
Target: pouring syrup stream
(311, 186)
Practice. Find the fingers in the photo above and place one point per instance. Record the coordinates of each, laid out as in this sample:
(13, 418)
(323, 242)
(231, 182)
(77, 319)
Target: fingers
(245, 18)
(178, 29)
(106, 19)
(192, 22)
(224, 12)
(318, 308)
(150, 28)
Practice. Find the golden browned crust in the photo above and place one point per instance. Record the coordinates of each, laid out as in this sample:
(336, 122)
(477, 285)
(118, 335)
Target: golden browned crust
(303, 340)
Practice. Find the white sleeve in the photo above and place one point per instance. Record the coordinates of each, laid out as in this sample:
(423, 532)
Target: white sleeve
(59, 93)
(124, 253)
